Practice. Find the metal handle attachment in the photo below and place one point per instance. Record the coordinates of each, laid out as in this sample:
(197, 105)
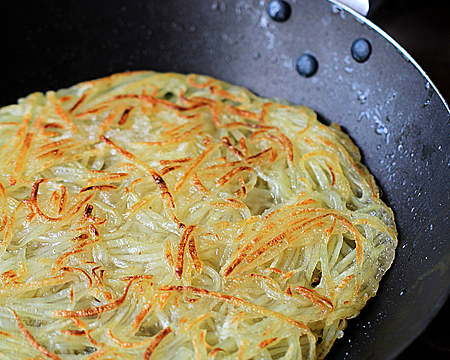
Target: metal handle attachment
(363, 7)
(360, 6)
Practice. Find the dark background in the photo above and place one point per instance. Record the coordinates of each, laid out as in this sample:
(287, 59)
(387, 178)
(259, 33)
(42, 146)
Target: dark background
(423, 29)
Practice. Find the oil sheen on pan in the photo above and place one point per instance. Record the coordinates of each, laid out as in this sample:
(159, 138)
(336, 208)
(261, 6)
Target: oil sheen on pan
(165, 216)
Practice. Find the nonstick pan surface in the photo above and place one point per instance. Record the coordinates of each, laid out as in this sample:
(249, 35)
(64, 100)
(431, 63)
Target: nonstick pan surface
(386, 104)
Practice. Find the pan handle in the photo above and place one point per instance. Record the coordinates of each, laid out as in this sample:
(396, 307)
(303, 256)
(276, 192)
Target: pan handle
(363, 7)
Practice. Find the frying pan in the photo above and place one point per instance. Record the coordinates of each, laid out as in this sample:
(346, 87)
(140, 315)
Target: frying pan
(387, 104)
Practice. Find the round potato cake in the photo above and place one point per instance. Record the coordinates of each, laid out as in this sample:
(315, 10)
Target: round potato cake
(167, 216)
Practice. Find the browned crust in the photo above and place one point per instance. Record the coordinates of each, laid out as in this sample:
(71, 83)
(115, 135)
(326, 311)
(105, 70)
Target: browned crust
(155, 342)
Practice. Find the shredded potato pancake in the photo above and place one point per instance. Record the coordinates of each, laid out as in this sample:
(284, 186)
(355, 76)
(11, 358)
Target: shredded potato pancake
(164, 216)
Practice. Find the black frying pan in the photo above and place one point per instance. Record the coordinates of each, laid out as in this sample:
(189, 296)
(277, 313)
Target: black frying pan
(387, 105)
